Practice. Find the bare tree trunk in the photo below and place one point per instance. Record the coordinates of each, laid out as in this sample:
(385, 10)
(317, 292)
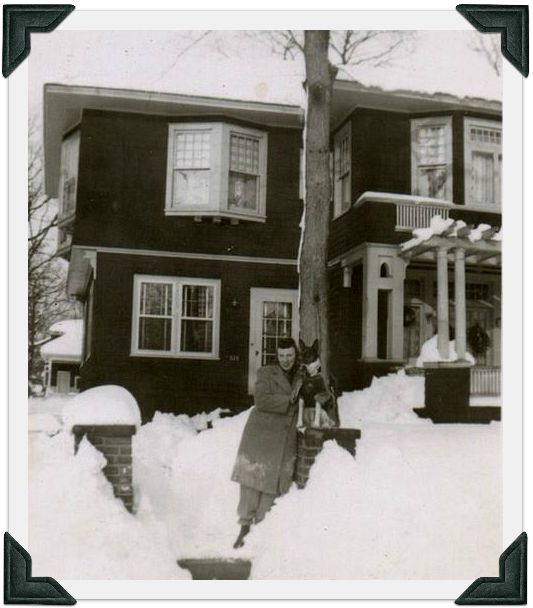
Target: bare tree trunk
(320, 75)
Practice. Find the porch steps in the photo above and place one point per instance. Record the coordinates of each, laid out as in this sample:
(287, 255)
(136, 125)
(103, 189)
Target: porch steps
(208, 569)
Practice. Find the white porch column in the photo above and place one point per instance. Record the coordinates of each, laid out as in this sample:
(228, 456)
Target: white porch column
(443, 325)
(460, 303)
(370, 306)
(397, 308)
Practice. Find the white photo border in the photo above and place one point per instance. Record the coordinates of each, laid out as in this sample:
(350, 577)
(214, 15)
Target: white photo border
(512, 306)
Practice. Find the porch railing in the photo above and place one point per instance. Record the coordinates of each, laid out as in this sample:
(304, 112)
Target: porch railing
(415, 215)
(485, 380)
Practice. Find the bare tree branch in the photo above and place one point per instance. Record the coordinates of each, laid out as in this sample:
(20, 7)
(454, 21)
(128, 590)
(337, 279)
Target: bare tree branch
(489, 47)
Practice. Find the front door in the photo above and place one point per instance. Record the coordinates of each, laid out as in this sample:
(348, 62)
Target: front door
(63, 382)
(273, 315)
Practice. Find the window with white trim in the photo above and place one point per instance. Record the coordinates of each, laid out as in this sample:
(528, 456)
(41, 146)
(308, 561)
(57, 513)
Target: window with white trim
(216, 169)
(483, 162)
(68, 178)
(176, 317)
(431, 157)
(342, 173)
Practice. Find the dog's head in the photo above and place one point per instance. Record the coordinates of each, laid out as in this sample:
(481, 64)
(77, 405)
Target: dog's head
(310, 357)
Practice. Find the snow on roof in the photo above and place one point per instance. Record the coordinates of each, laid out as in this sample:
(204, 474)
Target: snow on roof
(105, 405)
(68, 342)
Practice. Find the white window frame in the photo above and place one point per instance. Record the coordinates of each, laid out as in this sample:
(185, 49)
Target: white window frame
(470, 147)
(177, 289)
(220, 139)
(72, 140)
(344, 133)
(433, 121)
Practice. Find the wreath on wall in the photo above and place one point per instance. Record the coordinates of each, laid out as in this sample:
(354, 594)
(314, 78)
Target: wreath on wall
(478, 340)
(409, 316)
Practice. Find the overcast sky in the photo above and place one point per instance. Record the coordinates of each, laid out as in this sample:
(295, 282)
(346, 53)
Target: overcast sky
(241, 64)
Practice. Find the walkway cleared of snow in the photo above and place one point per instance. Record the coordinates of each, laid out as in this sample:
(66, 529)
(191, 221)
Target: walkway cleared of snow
(420, 501)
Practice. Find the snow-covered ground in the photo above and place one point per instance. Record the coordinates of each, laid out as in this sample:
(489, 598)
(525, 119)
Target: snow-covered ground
(420, 501)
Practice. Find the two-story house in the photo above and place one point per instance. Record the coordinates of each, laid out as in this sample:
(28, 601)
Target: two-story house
(180, 218)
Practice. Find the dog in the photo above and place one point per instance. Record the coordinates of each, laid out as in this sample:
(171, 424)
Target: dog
(315, 398)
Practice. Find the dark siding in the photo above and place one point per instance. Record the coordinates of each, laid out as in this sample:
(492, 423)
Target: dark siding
(381, 146)
(176, 385)
(370, 222)
(346, 314)
(121, 193)
(472, 216)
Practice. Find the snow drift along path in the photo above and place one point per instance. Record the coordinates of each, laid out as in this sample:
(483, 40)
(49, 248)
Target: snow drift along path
(420, 501)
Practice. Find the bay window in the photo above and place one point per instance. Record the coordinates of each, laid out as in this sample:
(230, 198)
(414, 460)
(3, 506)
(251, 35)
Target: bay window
(216, 169)
(483, 162)
(175, 316)
(431, 157)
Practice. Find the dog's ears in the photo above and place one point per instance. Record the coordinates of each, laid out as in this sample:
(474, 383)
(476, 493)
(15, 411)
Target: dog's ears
(302, 344)
(315, 346)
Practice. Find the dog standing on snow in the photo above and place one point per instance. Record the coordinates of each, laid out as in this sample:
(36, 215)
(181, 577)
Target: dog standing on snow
(316, 403)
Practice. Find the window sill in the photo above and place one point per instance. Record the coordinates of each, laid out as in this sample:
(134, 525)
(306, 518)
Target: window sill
(161, 355)
(231, 215)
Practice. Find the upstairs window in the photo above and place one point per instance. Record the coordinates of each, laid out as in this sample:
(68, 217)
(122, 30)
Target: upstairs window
(216, 169)
(431, 157)
(176, 317)
(483, 162)
(68, 180)
(342, 174)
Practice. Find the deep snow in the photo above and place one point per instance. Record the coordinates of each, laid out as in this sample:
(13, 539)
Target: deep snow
(420, 501)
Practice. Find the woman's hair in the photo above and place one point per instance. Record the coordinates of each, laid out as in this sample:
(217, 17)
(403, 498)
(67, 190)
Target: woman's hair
(287, 343)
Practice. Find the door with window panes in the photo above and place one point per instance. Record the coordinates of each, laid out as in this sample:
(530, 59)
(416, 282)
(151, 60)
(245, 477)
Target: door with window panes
(273, 315)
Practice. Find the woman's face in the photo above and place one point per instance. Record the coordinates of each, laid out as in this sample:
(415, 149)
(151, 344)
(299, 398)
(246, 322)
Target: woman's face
(286, 358)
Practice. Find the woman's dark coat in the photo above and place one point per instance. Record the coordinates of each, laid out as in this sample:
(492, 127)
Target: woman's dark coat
(267, 452)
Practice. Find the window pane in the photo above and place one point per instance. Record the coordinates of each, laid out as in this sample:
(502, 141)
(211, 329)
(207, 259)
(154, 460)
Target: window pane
(432, 182)
(486, 135)
(197, 301)
(196, 336)
(431, 145)
(244, 154)
(483, 178)
(156, 299)
(192, 150)
(155, 334)
(242, 191)
(191, 188)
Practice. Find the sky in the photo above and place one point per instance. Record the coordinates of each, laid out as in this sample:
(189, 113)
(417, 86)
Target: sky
(242, 64)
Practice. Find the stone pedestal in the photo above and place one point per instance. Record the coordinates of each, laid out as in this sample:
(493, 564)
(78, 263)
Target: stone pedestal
(114, 442)
(309, 445)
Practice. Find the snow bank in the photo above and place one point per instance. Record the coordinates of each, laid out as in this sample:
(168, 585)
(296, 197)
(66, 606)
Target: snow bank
(79, 530)
(429, 353)
(420, 503)
(44, 423)
(388, 399)
(102, 405)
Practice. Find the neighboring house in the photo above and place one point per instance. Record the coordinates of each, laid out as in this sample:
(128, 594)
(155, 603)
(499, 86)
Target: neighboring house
(62, 356)
(180, 217)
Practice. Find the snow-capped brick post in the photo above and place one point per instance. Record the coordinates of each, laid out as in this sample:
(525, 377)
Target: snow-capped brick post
(309, 445)
(108, 417)
(114, 441)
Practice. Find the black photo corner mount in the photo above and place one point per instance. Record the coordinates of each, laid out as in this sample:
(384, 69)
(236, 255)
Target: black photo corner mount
(512, 21)
(20, 20)
(510, 587)
(20, 587)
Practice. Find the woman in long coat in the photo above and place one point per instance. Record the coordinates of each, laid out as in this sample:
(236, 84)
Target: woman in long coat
(267, 452)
